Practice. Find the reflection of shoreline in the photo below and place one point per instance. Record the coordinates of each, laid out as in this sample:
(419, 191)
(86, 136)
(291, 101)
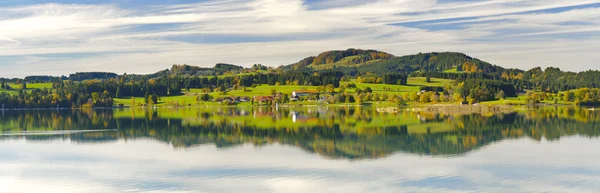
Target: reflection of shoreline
(340, 133)
(62, 132)
(450, 109)
(464, 109)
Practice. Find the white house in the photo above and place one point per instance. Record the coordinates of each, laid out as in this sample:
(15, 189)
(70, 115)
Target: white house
(303, 93)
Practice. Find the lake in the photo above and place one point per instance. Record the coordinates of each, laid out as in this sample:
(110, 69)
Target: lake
(312, 149)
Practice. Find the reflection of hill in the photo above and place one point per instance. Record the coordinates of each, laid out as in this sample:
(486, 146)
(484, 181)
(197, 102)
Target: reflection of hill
(335, 133)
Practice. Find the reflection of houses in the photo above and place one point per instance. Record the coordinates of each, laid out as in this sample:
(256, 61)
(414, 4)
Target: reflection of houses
(297, 94)
(263, 114)
(296, 117)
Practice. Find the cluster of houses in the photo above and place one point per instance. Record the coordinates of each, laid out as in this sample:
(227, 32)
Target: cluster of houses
(239, 99)
(264, 99)
(296, 95)
(233, 99)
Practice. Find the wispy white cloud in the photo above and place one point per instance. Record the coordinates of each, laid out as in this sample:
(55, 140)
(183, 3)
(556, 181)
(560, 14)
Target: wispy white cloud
(276, 32)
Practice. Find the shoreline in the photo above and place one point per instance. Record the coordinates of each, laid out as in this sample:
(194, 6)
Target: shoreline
(439, 107)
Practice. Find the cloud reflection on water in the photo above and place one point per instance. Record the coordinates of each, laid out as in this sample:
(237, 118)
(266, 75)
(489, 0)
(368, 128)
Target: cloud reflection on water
(147, 165)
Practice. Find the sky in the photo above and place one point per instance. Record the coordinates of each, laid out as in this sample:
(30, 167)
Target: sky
(44, 37)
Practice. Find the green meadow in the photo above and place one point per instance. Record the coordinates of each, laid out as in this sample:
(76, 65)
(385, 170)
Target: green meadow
(11, 92)
(454, 70)
(31, 86)
(16, 87)
(414, 84)
(521, 101)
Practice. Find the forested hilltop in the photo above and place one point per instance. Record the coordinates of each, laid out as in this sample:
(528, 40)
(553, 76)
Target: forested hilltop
(350, 76)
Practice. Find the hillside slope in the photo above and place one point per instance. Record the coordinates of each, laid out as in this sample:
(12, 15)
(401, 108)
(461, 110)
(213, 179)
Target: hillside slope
(339, 58)
(201, 71)
(354, 61)
(430, 62)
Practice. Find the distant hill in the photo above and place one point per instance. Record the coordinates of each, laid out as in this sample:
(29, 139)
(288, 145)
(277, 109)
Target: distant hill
(80, 76)
(44, 78)
(350, 61)
(339, 58)
(175, 70)
(361, 61)
(357, 62)
(218, 69)
(430, 62)
(227, 67)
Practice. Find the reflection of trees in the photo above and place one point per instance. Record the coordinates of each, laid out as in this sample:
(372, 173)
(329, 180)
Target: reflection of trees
(336, 133)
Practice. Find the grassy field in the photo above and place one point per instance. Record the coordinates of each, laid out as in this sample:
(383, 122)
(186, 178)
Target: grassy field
(182, 100)
(11, 92)
(520, 100)
(414, 84)
(264, 90)
(454, 70)
(420, 81)
(32, 86)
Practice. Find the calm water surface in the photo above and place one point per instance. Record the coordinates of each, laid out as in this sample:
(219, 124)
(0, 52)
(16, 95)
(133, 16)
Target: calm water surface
(299, 150)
